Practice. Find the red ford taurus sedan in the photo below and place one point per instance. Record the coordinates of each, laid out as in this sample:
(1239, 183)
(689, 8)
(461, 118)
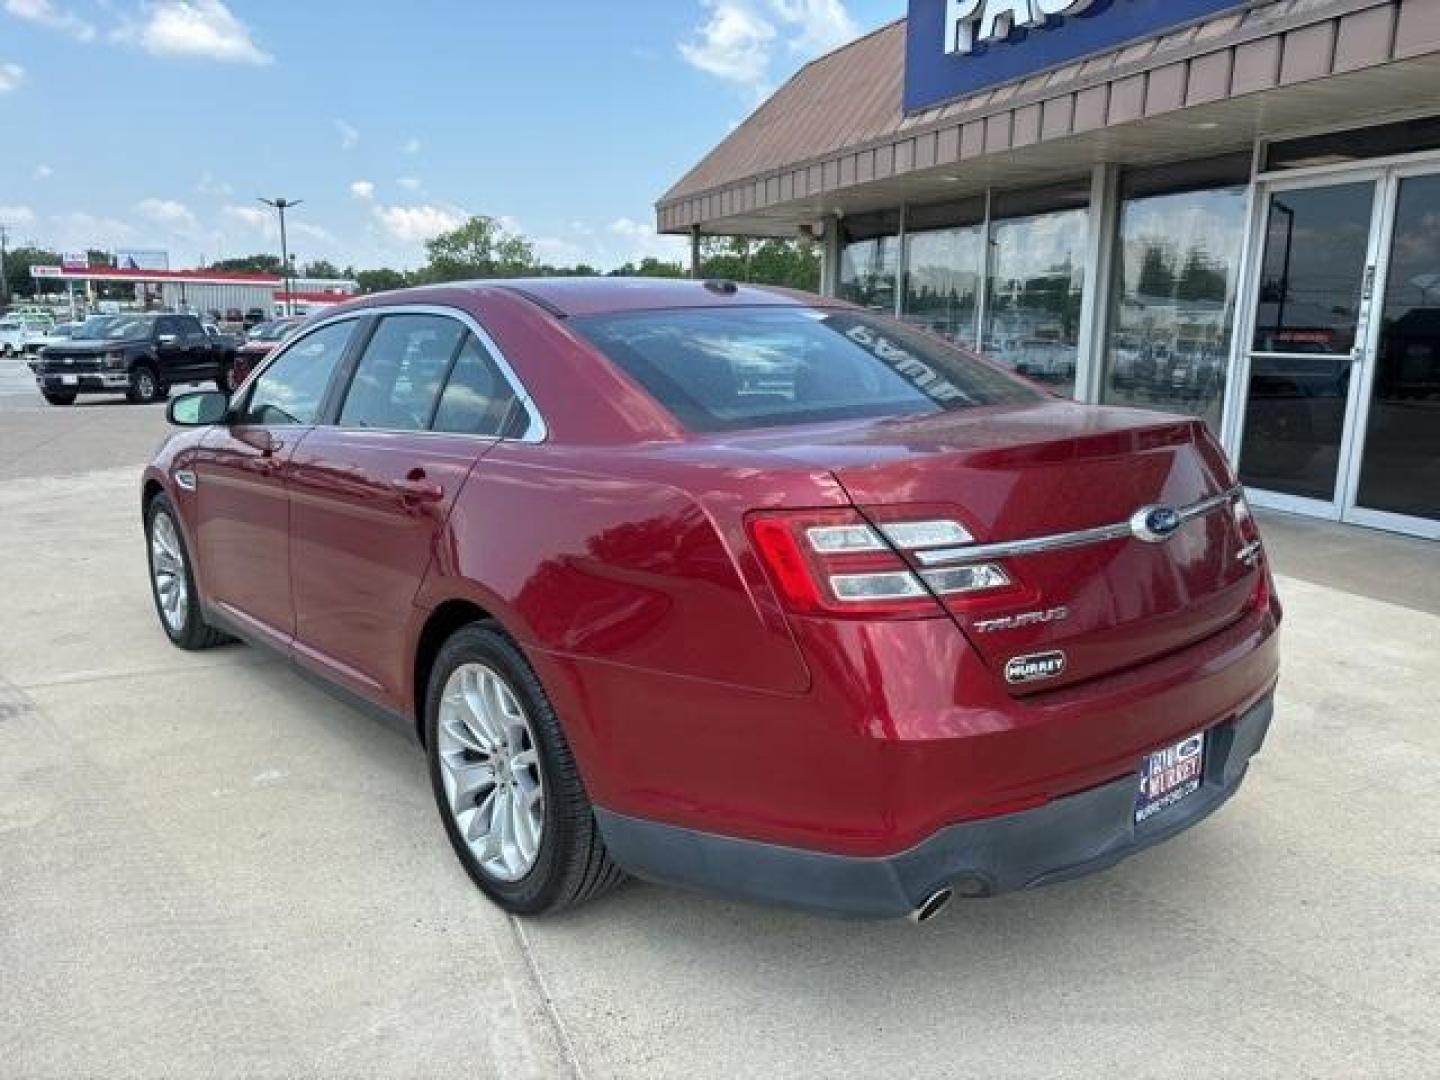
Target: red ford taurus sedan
(730, 588)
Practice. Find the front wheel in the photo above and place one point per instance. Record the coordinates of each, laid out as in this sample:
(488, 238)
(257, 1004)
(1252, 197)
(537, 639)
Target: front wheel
(506, 782)
(145, 386)
(58, 397)
(172, 581)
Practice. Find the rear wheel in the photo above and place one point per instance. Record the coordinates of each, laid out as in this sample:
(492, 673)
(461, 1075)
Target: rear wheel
(505, 780)
(58, 397)
(172, 582)
(145, 386)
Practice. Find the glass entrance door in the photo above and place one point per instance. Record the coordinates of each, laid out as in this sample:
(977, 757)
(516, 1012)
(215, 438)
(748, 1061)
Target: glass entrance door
(1342, 409)
(1395, 479)
(1315, 274)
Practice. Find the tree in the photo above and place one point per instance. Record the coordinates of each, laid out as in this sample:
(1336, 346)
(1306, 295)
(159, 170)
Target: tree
(1202, 279)
(1157, 275)
(381, 280)
(480, 248)
(794, 264)
(652, 267)
(249, 264)
(321, 268)
(18, 262)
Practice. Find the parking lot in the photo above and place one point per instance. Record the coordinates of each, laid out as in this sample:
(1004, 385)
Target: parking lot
(209, 867)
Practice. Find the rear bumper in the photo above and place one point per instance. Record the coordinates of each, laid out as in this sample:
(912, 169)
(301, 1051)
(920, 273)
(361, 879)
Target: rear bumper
(1066, 838)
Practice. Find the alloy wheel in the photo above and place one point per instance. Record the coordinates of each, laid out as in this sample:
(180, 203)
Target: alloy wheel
(490, 767)
(167, 571)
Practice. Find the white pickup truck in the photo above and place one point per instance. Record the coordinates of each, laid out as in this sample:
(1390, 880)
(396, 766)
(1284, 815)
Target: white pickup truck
(17, 331)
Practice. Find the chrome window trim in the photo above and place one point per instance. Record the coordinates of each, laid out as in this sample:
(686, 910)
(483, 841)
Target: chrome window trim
(1062, 541)
(536, 430)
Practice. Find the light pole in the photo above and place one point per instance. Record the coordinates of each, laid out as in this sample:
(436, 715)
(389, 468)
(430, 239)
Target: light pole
(280, 205)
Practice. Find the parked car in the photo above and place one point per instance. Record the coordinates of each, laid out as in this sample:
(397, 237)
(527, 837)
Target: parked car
(904, 629)
(141, 356)
(57, 335)
(254, 317)
(260, 343)
(18, 331)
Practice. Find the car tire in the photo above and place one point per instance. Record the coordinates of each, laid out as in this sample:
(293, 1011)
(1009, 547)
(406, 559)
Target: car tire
(145, 386)
(53, 398)
(569, 864)
(178, 606)
(7, 350)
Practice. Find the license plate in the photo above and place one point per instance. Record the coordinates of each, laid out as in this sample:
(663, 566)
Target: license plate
(1170, 776)
(69, 380)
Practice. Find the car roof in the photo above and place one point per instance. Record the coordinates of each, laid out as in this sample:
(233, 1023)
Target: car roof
(578, 296)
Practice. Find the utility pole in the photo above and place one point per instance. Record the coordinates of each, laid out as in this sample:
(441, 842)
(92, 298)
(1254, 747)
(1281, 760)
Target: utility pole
(280, 205)
(4, 281)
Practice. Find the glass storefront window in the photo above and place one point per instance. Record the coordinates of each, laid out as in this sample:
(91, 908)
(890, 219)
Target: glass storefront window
(942, 281)
(867, 272)
(1172, 307)
(1036, 284)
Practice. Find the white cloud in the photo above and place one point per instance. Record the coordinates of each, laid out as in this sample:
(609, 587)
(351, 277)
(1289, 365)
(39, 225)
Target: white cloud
(817, 26)
(169, 213)
(349, 135)
(78, 230)
(734, 44)
(635, 239)
(11, 76)
(252, 217)
(193, 28)
(414, 224)
(409, 183)
(363, 190)
(43, 172)
(16, 215)
(738, 39)
(45, 13)
(208, 185)
(411, 147)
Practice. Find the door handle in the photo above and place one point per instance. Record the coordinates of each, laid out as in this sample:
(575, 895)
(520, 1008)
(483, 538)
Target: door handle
(415, 488)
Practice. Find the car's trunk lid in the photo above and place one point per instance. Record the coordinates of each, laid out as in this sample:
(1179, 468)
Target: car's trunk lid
(1044, 472)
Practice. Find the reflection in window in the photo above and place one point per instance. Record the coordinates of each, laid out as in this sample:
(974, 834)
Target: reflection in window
(1310, 281)
(942, 281)
(1037, 282)
(291, 389)
(1173, 304)
(867, 272)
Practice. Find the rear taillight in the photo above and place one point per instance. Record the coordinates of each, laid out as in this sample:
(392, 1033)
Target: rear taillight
(836, 563)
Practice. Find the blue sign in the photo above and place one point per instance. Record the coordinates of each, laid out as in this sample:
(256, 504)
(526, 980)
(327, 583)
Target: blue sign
(956, 47)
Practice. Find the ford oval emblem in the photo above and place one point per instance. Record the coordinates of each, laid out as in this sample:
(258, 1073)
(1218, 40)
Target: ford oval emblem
(1156, 524)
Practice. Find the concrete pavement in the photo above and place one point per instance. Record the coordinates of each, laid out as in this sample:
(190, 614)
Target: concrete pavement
(208, 867)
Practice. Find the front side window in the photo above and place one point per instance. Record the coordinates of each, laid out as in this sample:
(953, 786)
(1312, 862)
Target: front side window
(399, 377)
(477, 400)
(772, 367)
(292, 389)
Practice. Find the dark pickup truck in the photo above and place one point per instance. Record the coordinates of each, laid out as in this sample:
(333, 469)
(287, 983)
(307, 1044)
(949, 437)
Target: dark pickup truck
(141, 356)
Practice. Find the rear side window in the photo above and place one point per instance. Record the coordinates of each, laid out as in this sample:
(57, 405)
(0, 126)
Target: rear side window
(724, 370)
(398, 379)
(291, 390)
(478, 400)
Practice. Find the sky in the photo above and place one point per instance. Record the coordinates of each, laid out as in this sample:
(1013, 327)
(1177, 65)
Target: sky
(158, 123)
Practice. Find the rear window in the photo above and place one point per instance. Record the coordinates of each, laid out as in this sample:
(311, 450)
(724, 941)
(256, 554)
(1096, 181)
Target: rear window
(770, 367)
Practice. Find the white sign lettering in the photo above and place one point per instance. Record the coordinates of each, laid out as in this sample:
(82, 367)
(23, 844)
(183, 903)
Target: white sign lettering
(972, 22)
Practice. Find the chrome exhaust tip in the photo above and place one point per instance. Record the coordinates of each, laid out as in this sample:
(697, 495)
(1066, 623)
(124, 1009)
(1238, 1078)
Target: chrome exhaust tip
(934, 904)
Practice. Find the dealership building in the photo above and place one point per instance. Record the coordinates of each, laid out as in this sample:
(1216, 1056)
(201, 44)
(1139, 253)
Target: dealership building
(1225, 209)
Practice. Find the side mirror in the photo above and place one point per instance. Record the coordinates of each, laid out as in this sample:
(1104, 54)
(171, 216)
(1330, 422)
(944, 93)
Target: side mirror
(200, 409)
(167, 339)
